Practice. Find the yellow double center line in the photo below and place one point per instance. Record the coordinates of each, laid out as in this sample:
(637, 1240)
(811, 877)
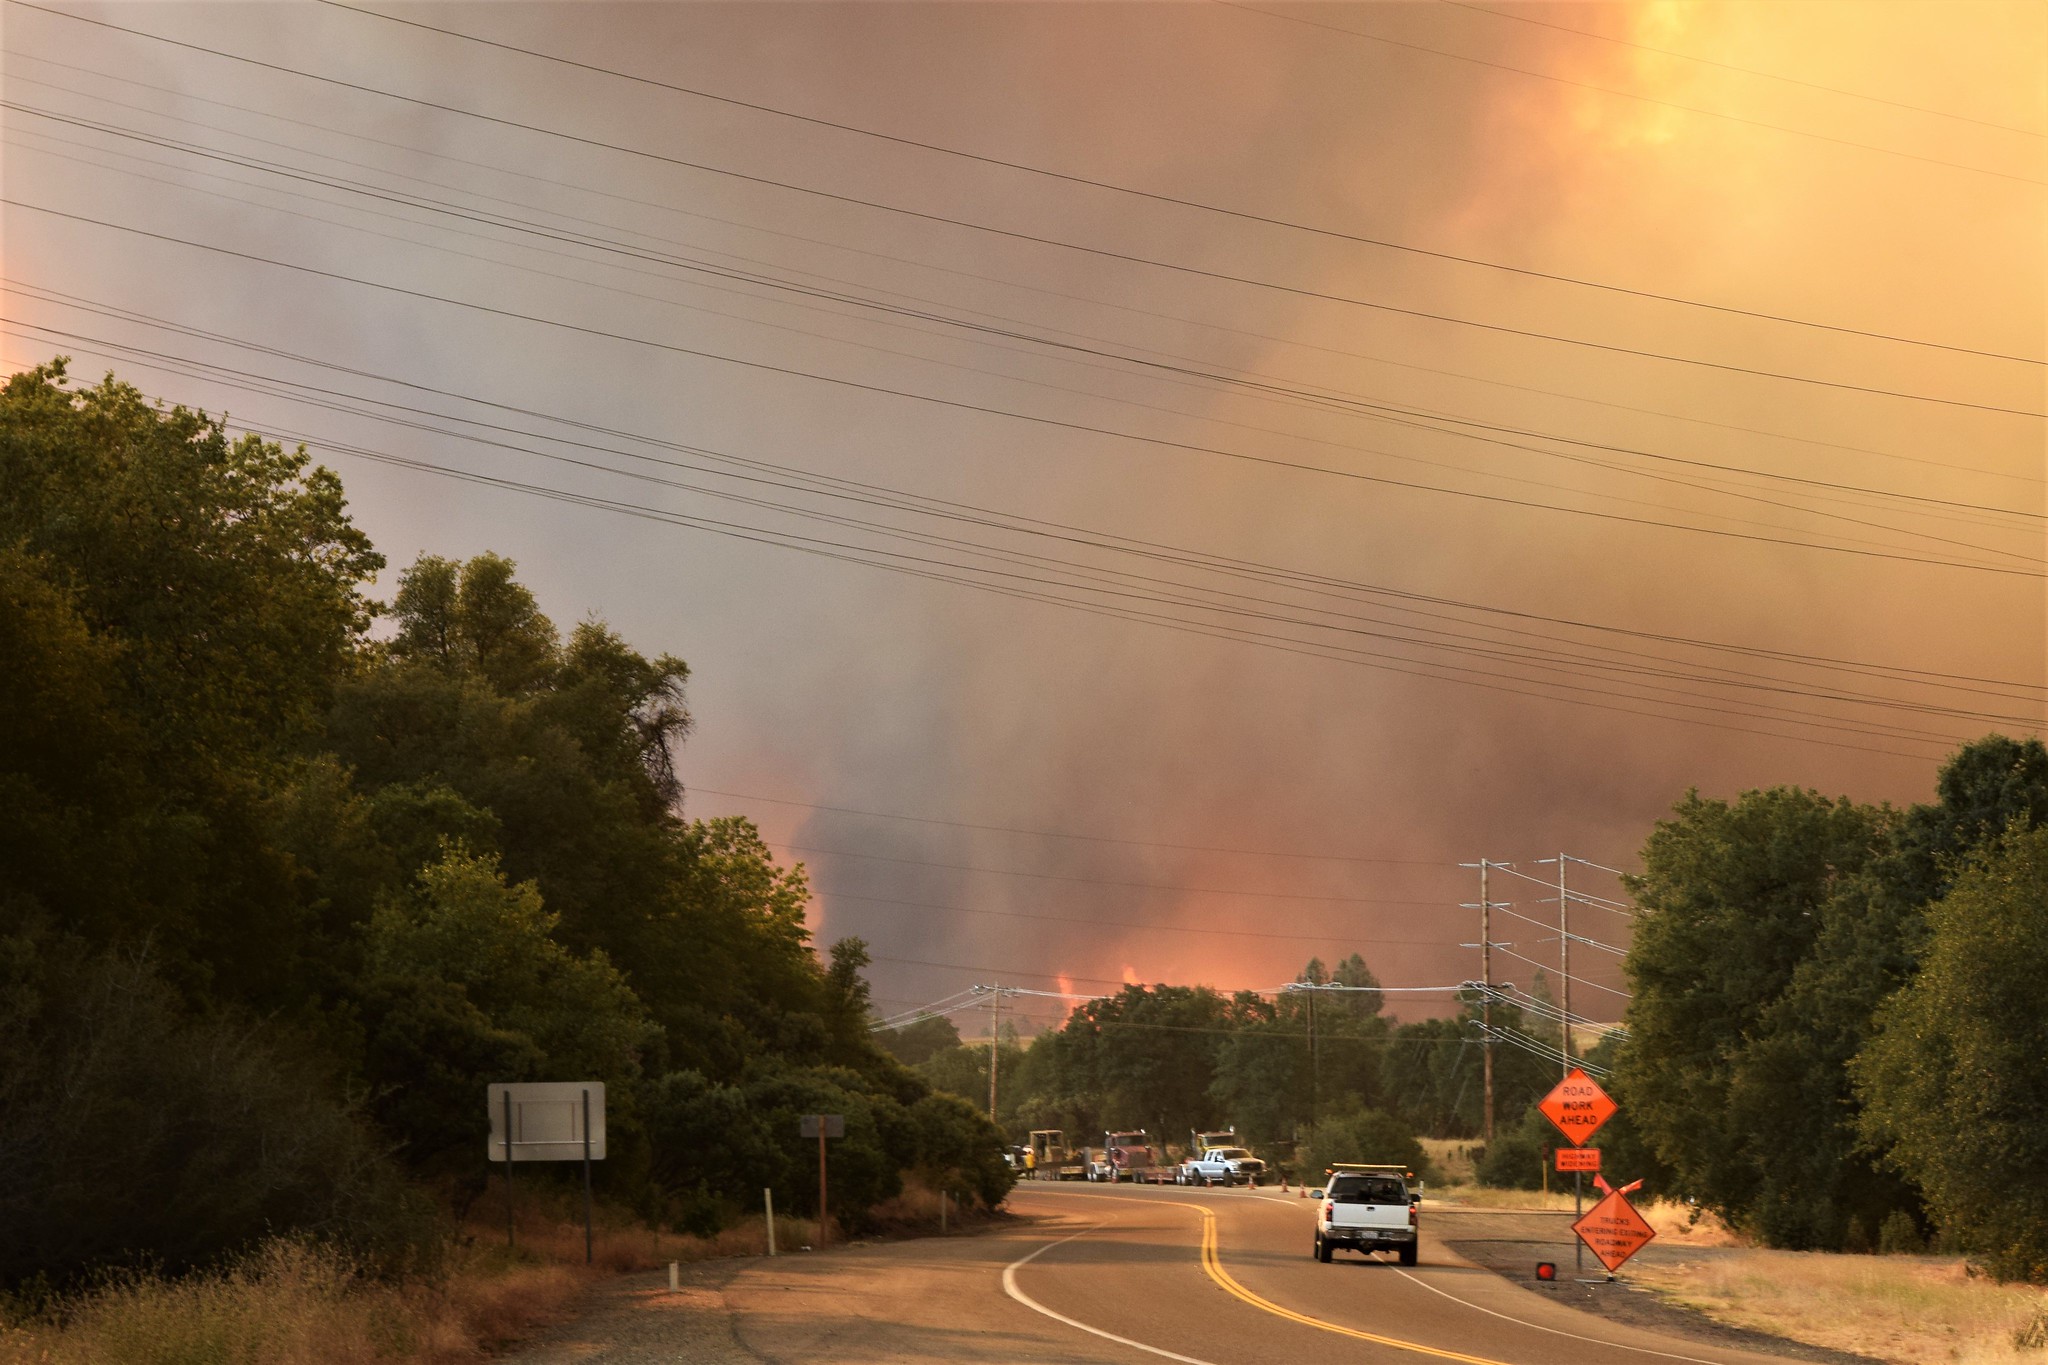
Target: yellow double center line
(1213, 1264)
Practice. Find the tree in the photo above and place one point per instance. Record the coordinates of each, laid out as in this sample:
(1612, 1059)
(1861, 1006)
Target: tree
(1955, 1081)
(216, 586)
(1732, 902)
(962, 1071)
(466, 982)
(1262, 1072)
(1353, 1132)
(920, 1039)
(131, 1127)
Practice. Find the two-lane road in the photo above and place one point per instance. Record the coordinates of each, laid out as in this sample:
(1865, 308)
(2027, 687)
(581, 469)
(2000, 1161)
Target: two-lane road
(1129, 1274)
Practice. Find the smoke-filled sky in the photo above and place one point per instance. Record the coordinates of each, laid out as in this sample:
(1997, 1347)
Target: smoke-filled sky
(1192, 475)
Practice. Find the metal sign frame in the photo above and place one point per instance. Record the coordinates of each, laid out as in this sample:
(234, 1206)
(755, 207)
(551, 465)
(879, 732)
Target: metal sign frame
(566, 1120)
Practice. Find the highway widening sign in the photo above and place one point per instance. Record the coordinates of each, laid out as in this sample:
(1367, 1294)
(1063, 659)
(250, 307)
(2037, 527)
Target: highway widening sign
(1578, 1106)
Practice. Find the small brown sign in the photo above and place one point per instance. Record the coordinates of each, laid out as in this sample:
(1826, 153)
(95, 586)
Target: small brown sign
(1578, 1158)
(1578, 1106)
(1613, 1230)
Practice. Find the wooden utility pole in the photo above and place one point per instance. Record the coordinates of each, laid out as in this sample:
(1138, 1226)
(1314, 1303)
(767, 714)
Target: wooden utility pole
(1486, 999)
(1564, 959)
(995, 1012)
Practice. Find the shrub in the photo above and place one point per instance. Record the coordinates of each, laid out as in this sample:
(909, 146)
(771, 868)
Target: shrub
(133, 1132)
(1355, 1133)
(1517, 1157)
(960, 1151)
(1900, 1235)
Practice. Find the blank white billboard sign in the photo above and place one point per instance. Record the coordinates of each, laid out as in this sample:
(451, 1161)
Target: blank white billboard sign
(547, 1120)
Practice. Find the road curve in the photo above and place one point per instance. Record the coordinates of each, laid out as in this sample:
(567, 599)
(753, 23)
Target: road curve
(1201, 1277)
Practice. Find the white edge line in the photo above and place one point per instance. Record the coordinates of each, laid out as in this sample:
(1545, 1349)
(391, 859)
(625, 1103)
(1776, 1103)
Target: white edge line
(1560, 1332)
(1010, 1288)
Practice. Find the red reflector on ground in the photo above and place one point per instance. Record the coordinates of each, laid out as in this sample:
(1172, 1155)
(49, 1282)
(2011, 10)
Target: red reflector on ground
(1545, 1270)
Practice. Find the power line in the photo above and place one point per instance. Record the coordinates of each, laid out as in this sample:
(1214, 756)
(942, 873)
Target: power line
(1404, 639)
(987, 409)
(1263, 388)
(1128, 257)
(1889, 671)
(916, 568)
(1162, 198)
(927, 265)
(1576, 980)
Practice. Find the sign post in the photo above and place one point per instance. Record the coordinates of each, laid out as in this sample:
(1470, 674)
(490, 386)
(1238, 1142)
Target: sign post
(547, 1121)
(821, 1126)
(1576, 1106)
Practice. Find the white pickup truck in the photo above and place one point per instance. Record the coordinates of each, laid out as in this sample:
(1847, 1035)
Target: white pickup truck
(1367, 1210)
(1221, 1165)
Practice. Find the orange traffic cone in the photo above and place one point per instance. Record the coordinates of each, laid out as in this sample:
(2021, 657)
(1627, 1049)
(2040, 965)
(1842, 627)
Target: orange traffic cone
(1303, 1189)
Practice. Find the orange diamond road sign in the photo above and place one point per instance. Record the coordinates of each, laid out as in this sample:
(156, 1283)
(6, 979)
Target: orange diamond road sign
(1578, 1106)
(1578, 1158)
(1613, 1230)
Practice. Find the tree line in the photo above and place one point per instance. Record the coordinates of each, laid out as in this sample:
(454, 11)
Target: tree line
(1322, 1070)
(280, 894)
(1837, 1037)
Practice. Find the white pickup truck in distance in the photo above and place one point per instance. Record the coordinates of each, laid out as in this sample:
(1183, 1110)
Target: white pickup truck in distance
(1221, 1165)
(1367, 1212)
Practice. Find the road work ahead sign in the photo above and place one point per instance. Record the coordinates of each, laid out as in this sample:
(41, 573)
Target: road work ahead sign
(1613, 1230)
(1578, 1106)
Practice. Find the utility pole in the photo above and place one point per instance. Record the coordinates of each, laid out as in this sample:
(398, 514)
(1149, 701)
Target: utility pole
(1486, 1002)
(995, 1013)
(1315, 1060)
(1485, 946)
(1564, 961)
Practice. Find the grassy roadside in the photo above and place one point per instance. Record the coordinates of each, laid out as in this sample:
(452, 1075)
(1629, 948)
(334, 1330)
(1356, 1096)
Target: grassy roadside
(1916, 1310)
(297, 1303)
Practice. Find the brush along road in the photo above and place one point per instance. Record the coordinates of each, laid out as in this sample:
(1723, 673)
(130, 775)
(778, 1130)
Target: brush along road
(1097, 1274)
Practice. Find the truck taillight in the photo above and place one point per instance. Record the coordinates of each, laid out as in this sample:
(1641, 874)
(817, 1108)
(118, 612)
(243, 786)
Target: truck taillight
(1329, 1209)
(1414, 1218)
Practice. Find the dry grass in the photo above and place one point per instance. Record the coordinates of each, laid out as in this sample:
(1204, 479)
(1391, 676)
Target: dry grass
(1453, 1159)
(291, 1303)
(1915, 1310)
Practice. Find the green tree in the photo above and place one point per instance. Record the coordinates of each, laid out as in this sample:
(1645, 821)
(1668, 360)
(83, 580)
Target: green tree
(1262, 1071)
(1733, 901)
(920, 1039)
(467, 984)
(218, 584)
(132, 1127)
(1955, 1083)
(1355, 1133)
(962, 1071)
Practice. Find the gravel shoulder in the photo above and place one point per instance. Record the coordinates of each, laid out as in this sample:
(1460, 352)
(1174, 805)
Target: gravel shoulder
(1510, 1243)
(635, 1320)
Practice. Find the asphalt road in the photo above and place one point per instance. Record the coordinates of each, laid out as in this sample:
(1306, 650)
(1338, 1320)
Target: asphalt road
(1114, 1274)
